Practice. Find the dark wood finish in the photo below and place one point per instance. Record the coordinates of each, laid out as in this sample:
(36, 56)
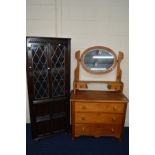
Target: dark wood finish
(48, 79)
(98, 113)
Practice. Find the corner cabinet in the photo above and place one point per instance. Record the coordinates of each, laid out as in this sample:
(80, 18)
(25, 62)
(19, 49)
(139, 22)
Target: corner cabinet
(48, 79)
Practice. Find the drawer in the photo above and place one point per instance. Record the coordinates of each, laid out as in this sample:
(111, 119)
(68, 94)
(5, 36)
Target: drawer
(97, 130)
(99, 107)
(98, 118)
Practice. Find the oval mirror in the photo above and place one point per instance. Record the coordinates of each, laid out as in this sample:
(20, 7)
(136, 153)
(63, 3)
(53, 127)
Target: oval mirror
(98, 60)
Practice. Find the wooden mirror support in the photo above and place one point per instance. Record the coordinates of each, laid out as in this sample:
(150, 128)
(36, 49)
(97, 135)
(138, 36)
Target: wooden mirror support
(111, 85)
(94, 112)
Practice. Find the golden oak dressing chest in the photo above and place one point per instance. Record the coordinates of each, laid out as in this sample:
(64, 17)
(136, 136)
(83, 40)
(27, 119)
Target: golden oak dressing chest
(98, 113)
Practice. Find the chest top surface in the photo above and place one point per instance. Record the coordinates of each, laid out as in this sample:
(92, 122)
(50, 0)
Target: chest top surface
(98, 96)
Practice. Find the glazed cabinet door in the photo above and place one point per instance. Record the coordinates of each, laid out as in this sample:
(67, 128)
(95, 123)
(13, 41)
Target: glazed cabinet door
(60, 68)
(38, 79)
(38, 68)
(60, 84)
(48, 78)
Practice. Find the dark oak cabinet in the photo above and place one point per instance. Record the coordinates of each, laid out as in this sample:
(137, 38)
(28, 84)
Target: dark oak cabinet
(48, 79)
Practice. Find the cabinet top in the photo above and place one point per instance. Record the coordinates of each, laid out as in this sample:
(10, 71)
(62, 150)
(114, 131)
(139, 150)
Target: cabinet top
(46, 37)
(98, 96)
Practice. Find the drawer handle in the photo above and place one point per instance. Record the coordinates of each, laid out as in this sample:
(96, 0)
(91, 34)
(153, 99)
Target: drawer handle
(82, 129)
(83, 107)
(113, 119)
(83, 118)
(114, 108)
(112, 129)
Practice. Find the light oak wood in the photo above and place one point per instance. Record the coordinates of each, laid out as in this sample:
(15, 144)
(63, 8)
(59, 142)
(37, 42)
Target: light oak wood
(80, 84)
(117, 86)
(98, 47)
(97, 130)
(98, 107)
(94, 117)
(98, 113)
(99, 96)
(111, 85)
(76, 72)
(119, 71)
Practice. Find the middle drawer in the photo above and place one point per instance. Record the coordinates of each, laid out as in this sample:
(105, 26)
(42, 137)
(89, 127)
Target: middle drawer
(98, 118)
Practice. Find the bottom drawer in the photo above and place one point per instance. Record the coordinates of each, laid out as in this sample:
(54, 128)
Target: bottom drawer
(97, 130)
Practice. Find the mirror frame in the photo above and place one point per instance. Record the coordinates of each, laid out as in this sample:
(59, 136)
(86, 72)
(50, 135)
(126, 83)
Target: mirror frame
(98, 47)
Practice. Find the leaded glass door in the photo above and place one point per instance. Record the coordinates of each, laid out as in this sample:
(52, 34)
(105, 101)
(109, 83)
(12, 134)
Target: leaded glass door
(39, 69)
(48, 77)
(38, 51)
(60, 84)
(60, 64)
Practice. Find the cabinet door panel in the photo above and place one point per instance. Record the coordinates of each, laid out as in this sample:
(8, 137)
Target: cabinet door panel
(40, 71)
(60, 114)
(41, 109)
(60, 68)
(43, 128)
(38, 64)
(59, 124)
(48, 77)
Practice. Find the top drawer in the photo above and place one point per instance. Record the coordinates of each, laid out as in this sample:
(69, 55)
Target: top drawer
(99, 107)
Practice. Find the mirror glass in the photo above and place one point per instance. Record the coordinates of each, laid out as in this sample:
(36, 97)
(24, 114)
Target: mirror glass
(98, 60)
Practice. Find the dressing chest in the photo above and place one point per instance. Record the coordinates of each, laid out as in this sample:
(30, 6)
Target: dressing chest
(98, 113)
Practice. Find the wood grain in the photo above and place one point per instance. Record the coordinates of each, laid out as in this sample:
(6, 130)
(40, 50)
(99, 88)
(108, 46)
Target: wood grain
(97, 130)
(98, 113)
(110, 107)
(94, 117)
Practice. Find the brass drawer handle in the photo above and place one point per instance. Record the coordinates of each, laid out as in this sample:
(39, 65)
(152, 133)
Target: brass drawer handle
(112, 129)
(114, 108)
(83, 129)
(83, 107)
(82, 118)
(113, 119)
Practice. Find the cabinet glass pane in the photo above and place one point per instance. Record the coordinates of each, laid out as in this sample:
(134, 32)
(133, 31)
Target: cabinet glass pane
(58, 70)
(40, 70)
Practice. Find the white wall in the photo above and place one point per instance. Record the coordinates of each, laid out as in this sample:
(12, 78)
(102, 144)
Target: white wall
(88, 23)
